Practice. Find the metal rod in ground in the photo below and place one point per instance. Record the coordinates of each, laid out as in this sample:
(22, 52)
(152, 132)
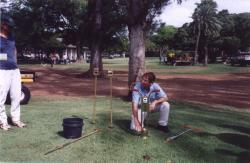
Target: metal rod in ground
(189, 128)
(94, 101)
(111, 108)
(66, 144)
(178, 135)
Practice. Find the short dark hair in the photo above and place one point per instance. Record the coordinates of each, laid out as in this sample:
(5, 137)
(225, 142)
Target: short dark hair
(6, 19)
(150, 76)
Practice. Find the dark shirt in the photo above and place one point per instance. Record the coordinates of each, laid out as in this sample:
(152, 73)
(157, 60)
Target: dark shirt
(7, 54)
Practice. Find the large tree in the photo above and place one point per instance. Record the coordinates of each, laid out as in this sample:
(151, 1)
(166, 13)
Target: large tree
(206, 25)
(228, 43)
(164, 38)
(235, 33)
(39, 23)
(105, 25)
(139, 16)
(183, 38)
(242, 29)
(95, 29)
(75, 19)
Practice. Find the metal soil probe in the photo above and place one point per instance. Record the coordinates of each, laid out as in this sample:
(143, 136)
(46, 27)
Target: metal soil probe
(66, 144)
(95, 73)
(145, 102)
(188, 129)
(110, 75)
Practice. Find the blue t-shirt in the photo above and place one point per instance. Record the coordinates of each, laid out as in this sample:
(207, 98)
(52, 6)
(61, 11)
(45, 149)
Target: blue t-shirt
(140, 91)
(7, 54)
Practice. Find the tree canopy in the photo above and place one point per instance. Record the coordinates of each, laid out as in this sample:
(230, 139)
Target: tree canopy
(126, 25)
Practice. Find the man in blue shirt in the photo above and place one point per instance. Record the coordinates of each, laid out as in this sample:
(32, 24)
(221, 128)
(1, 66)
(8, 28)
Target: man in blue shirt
(10, 77)
(157, 102)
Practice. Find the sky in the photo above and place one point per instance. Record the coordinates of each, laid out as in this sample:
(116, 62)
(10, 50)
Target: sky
(177, 15)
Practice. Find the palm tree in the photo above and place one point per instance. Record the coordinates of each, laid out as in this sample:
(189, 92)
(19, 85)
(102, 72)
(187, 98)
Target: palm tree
(206, 25)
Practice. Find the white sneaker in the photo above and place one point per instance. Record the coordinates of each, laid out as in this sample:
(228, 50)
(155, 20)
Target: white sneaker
(5, 127)
(19, 124)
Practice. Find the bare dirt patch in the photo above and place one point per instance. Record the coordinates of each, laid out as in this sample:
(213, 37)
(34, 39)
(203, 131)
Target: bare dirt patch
(218, 89)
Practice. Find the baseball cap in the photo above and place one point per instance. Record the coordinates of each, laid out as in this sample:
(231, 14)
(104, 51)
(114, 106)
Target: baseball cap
(7, 20)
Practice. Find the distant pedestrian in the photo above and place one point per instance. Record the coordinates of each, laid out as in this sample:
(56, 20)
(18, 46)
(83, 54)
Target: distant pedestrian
(52, 58)
(65, 58)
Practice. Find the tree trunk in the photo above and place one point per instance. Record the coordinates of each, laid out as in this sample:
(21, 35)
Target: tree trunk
(78, 49)
(96, 59)
(197, 45)
(161, 55)
(96, 36)
(136, 22)
(136, 53)
(206, 55)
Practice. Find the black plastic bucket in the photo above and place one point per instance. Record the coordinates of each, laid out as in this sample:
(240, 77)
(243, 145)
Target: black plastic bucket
(72, 127)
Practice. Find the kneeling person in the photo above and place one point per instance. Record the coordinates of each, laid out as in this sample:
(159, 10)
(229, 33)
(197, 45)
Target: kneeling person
(157, 102)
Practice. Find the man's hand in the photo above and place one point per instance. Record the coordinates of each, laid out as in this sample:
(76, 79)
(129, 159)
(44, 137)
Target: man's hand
(152, 106)
(156, 102)
(136, 120)
(138, 127)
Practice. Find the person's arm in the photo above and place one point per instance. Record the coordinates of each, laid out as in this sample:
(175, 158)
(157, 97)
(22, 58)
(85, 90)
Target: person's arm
(161, 97)
(160, 100)
(135, 114)
(156, 102)
(135, 103)
(15, 55)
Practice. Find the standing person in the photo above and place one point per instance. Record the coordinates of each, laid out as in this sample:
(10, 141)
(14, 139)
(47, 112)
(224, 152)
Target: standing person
(157, 100)
(10, 77)
(65, 58)
(52, 59)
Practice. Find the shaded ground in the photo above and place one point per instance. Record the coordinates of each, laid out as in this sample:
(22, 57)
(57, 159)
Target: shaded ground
(219, 89)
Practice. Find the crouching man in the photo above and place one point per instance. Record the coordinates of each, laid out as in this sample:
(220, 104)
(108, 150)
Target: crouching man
(157, 103)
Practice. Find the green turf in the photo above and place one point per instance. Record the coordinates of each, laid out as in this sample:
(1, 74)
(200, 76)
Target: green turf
(225, 138)
(152, 64)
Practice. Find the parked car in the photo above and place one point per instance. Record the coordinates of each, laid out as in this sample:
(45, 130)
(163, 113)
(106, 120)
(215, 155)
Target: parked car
(241, 58)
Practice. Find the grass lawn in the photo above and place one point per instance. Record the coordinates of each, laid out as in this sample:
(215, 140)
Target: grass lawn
(152, 64)
(225, 137)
